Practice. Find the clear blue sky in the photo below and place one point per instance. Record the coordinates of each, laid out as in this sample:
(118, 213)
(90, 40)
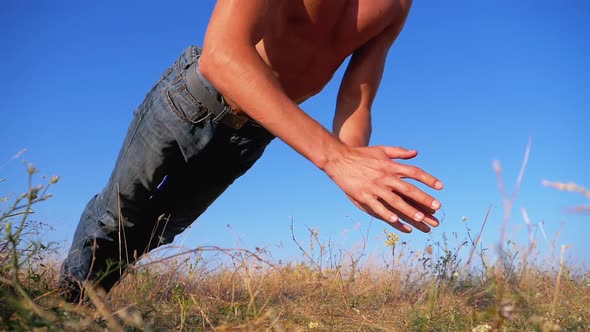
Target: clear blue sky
(467, 82)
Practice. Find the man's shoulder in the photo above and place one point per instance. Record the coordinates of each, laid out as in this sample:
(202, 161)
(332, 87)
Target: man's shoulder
(367, 20)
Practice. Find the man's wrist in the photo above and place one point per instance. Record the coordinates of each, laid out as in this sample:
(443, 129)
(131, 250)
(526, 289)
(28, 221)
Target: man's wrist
(331, 153)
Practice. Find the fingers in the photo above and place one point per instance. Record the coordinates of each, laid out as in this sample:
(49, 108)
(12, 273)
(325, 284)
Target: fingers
(382, 208)
(377, 209)
(431, 220)
(412, 213)
(416, 173)
(409, 171)
(390, 208)
(400, 227)
(399, 205)
(398, 152)
(419, 225)
(429, 217)
(375, 184)
(422, 226)
(421, 207)
(393, 220)
(409, 203)
(410, 192)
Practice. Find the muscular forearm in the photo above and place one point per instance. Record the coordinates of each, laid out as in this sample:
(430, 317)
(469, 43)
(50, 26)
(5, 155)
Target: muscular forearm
(352, 123)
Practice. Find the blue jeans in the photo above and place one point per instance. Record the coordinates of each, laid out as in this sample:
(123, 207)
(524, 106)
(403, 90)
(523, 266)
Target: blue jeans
(176, 159)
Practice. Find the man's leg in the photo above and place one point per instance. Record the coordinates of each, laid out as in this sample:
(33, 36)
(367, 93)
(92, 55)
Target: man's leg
(190, 189)
(116, 222)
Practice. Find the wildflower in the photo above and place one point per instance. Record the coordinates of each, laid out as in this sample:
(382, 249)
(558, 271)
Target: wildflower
(482, 328)
(464, 219)
(313, 325)
(392, 239)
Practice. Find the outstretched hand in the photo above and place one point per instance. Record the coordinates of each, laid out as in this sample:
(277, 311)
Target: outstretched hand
(375, 184)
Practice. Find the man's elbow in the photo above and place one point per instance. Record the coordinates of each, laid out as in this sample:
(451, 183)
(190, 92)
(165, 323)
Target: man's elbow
(216, 63)
(209, 63)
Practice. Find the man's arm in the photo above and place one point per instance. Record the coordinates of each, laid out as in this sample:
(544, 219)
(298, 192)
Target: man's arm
(231, 62)
(352, 120)
(367, 175)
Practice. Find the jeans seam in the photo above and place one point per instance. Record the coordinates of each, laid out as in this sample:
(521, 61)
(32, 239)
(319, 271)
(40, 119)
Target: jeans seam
(117, 169)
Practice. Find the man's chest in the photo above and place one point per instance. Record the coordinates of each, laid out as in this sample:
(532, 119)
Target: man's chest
(308, 40)
(340, 22)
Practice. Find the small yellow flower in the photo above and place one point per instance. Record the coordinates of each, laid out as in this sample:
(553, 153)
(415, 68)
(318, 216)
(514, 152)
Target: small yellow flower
(464, 219)
(392, 239)
(482, 328)
(313, 325)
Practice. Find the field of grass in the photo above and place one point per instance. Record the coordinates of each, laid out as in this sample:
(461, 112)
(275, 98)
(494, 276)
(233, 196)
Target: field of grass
(441, 287)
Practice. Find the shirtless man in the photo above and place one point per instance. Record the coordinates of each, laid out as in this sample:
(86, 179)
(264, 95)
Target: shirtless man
(210, 116)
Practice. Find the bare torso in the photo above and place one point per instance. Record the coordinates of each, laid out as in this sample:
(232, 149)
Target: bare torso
(299, 44)
(305, 41)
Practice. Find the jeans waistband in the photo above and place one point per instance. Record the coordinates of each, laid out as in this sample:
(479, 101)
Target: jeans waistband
(200, 88)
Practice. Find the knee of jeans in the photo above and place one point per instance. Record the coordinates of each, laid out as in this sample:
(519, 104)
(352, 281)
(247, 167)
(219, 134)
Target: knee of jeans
(95, 222)
(77, 265)
(110, 223)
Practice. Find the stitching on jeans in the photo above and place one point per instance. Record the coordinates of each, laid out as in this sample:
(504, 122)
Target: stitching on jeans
(147, 101)
(195, 118)
(202, 113)
(168, 71)
(176, 79)
(171, 105)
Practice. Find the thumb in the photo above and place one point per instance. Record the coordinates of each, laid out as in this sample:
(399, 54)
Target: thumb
(399, 152)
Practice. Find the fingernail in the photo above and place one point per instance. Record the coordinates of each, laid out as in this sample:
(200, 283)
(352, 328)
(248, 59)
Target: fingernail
(394, 219)
(419, 216)
(435, 204)
(438, 185)
(433, 223)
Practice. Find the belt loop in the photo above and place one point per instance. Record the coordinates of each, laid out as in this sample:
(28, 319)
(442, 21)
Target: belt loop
(221, 115)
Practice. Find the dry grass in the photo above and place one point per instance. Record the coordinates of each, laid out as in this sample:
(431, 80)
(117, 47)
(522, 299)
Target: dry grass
(517, 288)
(197, 292)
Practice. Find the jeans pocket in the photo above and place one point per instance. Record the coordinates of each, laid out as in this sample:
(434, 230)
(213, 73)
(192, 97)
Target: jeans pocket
(185, 106)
